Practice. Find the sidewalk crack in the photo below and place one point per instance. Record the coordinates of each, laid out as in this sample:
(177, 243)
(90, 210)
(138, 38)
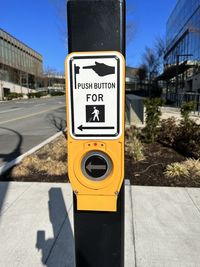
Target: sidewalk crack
(196, 206)
(133, 227)
(56, 238)
(1, 213)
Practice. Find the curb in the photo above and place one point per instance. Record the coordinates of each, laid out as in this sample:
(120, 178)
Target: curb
(17, 160)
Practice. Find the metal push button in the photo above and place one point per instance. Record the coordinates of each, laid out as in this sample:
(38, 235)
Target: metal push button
(96, 165)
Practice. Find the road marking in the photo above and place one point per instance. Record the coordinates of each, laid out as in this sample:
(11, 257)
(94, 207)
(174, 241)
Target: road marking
(28, 116)
(24, 102)
(10, 110)
(40, 104)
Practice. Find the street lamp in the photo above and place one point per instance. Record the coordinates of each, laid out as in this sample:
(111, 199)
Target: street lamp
(177, 69)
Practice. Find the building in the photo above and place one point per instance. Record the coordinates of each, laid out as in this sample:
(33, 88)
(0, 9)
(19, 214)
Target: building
(182, 57)
(131, 79)
(54, 82)
(21, 67)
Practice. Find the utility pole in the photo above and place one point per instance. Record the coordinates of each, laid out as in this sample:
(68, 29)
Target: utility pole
(96, 43)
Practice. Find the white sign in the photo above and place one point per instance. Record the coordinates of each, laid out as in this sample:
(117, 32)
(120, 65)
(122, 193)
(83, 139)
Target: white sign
(95, 94)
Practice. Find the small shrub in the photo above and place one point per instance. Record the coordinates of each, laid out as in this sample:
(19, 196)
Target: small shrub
(186, 109)
(132, 132)
(153, 114)
(185, 137)
(187, 140)
(176, 169)
(57, 93)
(31, 95)
(38, 94)
(133, 145)
(14, 95)
(188, 168)
(168, 131)
(193, 167)
(134, 149)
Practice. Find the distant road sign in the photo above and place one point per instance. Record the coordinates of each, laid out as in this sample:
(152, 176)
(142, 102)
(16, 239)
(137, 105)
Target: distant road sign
(95, 95)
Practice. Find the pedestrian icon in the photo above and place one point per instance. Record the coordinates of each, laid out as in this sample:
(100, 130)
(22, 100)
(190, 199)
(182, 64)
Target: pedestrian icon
(95, 113)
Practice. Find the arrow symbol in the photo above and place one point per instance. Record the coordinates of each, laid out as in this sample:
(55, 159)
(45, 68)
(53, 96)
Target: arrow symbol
(81, 128)
(91, 167)
(101, 69)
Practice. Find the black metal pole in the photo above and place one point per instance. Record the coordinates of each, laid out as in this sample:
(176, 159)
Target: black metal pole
(98, 26)
(177, 80)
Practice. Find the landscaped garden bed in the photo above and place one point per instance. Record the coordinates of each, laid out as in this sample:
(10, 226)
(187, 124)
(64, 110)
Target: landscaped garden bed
(164, 153)
(49, 164)
(152, 170)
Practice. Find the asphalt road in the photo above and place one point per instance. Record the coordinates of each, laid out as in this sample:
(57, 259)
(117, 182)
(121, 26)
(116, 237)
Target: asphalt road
(26, 123)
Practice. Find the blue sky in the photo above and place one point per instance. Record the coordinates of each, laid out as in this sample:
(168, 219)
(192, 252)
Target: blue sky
(149, 18)
(41, 25)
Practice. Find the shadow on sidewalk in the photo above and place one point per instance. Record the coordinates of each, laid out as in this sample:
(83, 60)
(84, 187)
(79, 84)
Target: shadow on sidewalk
(59, 250)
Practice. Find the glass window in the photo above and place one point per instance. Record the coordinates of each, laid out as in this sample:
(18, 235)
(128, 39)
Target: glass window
(184, 18)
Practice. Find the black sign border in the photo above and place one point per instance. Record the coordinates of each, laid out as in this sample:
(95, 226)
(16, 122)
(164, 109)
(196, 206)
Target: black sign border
(118, 97)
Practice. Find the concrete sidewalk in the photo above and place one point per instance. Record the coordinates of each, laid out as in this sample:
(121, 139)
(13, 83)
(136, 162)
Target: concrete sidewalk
(162, 226)
(168, 112)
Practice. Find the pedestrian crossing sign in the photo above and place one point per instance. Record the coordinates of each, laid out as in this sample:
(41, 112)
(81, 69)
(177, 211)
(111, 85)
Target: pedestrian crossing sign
(94, 82)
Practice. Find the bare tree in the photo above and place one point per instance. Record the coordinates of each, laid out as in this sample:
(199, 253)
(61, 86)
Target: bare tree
(153, 59)
(142, 73)
(151, 63)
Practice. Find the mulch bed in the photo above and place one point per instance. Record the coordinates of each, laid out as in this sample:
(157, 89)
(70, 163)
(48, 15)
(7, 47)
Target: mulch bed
(149, 171)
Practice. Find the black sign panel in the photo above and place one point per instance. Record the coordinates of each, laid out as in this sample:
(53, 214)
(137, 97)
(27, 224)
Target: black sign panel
(96, 166)
(95, 113)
